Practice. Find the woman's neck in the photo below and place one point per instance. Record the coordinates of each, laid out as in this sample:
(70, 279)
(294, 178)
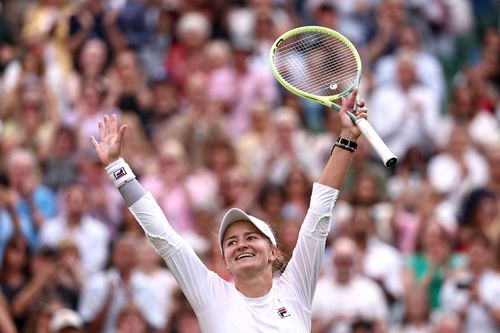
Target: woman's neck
(255, 286)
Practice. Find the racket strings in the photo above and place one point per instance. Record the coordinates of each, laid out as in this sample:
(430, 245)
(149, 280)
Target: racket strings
(316, 63)
(329, 72)
(315, 42)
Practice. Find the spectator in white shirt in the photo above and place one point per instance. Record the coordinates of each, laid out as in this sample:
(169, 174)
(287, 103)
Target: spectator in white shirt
(74, 223)
(107, 293)
(430, 72)
(379, 260)
(475, 293)
(347, 296)
(406, 113)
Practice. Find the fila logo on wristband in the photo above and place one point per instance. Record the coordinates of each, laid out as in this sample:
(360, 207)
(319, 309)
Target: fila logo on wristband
(283, 313)
(120, 173)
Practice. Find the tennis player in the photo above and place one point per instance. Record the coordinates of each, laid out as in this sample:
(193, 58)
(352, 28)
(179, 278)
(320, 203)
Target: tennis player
(258, 300)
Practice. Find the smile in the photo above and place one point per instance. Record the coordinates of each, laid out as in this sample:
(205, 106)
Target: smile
(244, 255)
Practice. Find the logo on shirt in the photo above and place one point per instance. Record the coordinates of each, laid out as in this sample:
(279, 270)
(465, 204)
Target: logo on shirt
(119, 173)
(283, 313)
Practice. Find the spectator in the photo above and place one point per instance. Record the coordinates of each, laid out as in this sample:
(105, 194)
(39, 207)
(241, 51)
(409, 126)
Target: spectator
(39, 290)
(288, 146)
(390, 17)
(297, 193)
(92, 104)
(184, 320)
(192, 30)
(238, 85)
(270, 203)
(413, 119)
(94, 20)
(168, 184)
(10, 223)
(164, 282)
(6, 323)
(128, 86)
(15, 275)
(473, 293)
(39, 319)
(34, 202)
(131, 320)
(430, 71)
(480, 213)
(105, 294)
(59, 161)
(463, 111)
(32, 122)
(91, 64)
(446, 322)
(103, 204)
(66, 321)
(69, 276)
(260, 133)
(160, 21)
(379, 261)
(347, 296)
(432, 263)
(197, 122)
(465, 167)
(90, 235)
(139, 150)
(417, 312)
(164, 106)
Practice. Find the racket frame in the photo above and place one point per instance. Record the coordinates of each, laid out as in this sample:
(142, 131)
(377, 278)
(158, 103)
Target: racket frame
(365, 127)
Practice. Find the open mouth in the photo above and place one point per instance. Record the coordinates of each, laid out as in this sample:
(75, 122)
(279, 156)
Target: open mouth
(244, 255)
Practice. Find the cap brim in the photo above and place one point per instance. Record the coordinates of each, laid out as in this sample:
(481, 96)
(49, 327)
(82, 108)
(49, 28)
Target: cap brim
(236, 214)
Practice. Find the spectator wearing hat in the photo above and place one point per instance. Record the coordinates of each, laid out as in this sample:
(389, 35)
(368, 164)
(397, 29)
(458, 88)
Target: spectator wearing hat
(66, 321)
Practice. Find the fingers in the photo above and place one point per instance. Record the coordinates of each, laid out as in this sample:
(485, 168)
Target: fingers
(94, 142)
(102, 132)
(114, 124)
(362, 113)
(121, 133)
(343, 106)
(107, 125)
(352, 99)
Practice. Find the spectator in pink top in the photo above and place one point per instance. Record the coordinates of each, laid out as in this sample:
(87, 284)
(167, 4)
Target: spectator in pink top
(238, 85)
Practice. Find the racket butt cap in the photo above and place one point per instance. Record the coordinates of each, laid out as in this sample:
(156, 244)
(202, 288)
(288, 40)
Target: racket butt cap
(390, 163)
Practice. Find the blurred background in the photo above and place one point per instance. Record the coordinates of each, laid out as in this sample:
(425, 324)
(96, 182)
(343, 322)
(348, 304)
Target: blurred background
(413, 249)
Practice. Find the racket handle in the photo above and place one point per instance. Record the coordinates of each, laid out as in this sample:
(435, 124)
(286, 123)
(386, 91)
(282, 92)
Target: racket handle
(377, 143)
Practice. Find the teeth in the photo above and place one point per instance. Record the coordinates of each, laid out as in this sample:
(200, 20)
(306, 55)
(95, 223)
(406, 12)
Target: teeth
(244, 255)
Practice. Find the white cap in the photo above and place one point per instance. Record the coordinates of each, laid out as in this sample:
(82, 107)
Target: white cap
(65, 318)
(236, 214)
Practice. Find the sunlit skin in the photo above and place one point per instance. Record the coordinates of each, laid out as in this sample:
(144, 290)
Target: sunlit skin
(249, 256)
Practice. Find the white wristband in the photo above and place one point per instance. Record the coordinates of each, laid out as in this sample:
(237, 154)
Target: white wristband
(119, 172)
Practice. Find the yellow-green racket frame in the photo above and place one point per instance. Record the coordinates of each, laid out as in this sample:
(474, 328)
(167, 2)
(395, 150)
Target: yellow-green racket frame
(365, 127)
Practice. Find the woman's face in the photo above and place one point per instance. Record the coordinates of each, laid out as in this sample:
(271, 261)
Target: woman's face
(296, 183)
(247, 250)
(16, 255)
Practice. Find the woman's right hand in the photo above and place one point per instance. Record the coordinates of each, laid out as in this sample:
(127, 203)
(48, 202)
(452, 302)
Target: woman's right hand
(109, 146)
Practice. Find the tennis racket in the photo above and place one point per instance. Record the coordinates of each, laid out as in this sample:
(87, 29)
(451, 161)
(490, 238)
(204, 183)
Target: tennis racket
(322, 65)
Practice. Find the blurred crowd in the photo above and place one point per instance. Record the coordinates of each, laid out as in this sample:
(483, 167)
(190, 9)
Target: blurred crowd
(414, 249)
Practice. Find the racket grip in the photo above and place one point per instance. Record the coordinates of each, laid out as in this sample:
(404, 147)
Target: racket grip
(377, 143)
